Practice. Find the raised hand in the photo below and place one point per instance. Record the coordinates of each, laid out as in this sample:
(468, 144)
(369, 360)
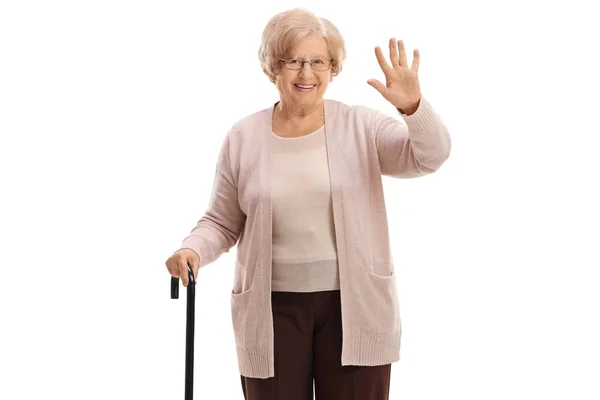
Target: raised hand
(401, 87)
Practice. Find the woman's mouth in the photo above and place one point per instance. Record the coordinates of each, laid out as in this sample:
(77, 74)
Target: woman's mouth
(304, 88)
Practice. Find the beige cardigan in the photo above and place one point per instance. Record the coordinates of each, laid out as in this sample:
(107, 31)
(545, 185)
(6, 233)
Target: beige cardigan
(362, 145)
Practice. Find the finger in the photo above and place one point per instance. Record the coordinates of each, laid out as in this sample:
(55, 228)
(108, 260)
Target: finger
(393, 52)
(381, 88)
(173, 267)
(416, 60)
(170, 268)
(382, 63)
(402, 58)
(183, 272)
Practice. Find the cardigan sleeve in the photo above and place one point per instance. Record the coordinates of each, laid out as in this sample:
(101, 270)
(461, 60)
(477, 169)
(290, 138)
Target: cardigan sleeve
(220, 227)
(417, 147)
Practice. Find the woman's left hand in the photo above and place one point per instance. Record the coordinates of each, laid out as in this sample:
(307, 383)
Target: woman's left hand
(402, 87)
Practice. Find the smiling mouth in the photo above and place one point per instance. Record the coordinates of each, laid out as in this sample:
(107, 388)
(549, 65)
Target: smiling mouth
(304, 88)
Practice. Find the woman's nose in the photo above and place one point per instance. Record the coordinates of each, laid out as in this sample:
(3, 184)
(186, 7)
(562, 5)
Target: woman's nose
(306, 69)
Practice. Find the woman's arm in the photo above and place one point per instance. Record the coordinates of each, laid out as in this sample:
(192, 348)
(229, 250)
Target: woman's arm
(417, 147)
(220, 227)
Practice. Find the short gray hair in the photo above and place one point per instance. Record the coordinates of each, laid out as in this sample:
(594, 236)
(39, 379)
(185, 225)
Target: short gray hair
(285, 28)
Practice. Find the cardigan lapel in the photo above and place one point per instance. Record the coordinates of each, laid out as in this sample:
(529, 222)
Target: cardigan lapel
(334, 146)
(265, 207)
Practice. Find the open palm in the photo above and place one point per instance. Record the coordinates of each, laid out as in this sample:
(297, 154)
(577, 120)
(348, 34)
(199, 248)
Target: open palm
(401, 87)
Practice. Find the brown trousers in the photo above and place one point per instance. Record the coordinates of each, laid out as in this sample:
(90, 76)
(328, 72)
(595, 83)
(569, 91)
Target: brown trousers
(308, 350)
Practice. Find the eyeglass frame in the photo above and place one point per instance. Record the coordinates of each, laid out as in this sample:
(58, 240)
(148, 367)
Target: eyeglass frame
(302, 62)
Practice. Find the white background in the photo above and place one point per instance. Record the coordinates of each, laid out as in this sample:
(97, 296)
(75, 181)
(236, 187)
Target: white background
(111, 118)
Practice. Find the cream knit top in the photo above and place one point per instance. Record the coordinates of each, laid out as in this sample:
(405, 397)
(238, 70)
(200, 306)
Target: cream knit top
(304, 251)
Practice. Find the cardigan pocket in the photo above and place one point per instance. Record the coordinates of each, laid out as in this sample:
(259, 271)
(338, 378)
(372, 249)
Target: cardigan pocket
(241, 298)
(382, 306)
(242, 322)
(382, 270)
(240, 279)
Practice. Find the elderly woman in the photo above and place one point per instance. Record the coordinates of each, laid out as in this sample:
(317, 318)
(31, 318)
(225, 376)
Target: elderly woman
(298, 187)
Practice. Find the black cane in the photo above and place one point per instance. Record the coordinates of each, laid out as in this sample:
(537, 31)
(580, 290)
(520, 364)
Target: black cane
(189, 329)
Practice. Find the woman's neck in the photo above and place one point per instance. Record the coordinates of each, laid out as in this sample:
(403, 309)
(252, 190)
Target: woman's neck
(298, 114)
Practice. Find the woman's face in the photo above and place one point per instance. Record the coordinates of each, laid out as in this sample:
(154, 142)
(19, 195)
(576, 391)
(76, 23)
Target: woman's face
(287, 80)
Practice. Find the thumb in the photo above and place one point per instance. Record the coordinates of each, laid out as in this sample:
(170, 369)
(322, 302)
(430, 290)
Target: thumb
(380, 87)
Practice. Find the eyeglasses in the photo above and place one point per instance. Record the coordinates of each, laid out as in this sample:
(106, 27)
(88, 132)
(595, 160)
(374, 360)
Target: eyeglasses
(297, 64)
